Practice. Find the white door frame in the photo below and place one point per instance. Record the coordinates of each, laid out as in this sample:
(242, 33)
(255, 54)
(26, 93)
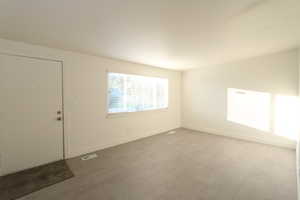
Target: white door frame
(62, 90)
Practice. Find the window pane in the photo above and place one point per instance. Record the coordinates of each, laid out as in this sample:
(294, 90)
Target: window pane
(116, 93)
(131, 93)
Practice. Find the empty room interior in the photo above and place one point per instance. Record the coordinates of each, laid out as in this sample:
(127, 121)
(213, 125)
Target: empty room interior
(149, 100)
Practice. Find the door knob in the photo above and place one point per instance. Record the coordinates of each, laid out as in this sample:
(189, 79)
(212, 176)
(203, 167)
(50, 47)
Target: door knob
(58, 118)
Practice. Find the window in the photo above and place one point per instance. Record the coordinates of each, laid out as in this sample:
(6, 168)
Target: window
(132, 93)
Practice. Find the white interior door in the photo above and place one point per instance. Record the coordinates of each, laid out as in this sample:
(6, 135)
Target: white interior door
(31, 97)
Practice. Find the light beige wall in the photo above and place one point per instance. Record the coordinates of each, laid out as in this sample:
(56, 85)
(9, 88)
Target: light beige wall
(204, 93)
(87, 127)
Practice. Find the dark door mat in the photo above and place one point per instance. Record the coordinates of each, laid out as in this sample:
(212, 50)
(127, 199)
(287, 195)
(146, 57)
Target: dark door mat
(19, 184)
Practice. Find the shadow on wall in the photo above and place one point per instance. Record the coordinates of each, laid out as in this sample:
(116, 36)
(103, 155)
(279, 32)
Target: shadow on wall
(270, 113)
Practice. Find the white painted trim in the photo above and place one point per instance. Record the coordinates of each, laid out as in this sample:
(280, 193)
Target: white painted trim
(298, 169)
(247, 137)
(298, 142)
(88, 150)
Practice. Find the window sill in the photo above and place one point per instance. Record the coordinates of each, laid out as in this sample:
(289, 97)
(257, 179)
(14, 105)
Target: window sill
(136, 113)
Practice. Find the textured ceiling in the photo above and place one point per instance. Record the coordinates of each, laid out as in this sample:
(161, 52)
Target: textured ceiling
(175, 34)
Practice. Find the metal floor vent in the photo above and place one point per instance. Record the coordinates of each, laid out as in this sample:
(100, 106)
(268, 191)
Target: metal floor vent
(89, 156)
(171, 132)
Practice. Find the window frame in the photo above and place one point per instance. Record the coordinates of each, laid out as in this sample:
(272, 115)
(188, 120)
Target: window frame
(119, 114)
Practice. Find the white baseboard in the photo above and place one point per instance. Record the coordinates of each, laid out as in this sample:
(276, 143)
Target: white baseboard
(90, 149)
(264, 139)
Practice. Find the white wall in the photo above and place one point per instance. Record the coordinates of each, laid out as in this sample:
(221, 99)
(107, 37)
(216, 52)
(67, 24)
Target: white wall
(87, 127)
(204, 93)
(298, 142)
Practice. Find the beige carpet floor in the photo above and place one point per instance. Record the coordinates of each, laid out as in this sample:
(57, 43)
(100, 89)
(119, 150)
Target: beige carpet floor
(187, 165)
